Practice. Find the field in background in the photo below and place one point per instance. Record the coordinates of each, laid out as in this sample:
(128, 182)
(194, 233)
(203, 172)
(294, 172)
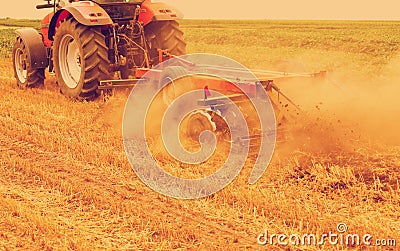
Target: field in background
(359, 46)
(65, 182)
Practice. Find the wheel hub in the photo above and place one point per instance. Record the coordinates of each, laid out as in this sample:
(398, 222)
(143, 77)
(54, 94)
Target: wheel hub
(20, 65)
(70, 61)
(199, 122)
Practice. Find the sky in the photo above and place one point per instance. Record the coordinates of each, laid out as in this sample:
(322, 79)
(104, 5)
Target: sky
(252, 9)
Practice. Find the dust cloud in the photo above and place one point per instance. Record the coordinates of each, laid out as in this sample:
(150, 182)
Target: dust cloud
(341, 113)
(347, 113)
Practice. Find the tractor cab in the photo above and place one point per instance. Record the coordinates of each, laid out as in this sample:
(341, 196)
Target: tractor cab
(121, 10)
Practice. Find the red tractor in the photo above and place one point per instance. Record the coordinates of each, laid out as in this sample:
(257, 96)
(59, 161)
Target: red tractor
(85, 42)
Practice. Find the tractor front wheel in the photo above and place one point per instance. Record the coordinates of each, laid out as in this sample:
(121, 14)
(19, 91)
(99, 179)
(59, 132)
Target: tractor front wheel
(80, 59)
(25, 75)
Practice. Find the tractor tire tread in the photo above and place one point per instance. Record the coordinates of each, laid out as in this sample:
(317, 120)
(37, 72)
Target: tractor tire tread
(95, 65)
(35, 77)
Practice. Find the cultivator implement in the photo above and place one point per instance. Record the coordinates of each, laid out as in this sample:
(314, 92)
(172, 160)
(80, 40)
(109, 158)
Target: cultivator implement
(231, 87)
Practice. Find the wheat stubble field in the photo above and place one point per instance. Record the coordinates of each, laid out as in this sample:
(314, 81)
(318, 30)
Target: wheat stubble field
(66, 184)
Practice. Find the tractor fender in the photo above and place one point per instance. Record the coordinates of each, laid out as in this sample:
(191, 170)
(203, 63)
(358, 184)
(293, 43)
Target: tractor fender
(158, 11)
(37, 52)
(85, 12)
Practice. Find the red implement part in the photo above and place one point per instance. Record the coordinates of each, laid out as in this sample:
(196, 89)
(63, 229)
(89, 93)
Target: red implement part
(222, 86)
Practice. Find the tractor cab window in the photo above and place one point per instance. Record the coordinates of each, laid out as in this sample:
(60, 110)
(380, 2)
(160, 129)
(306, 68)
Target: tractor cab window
(62, 3)
(119, 1)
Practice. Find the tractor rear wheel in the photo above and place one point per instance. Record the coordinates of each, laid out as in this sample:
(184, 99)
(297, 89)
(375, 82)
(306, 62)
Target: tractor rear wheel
(24, 74)
(164, 35)
(80, 59)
